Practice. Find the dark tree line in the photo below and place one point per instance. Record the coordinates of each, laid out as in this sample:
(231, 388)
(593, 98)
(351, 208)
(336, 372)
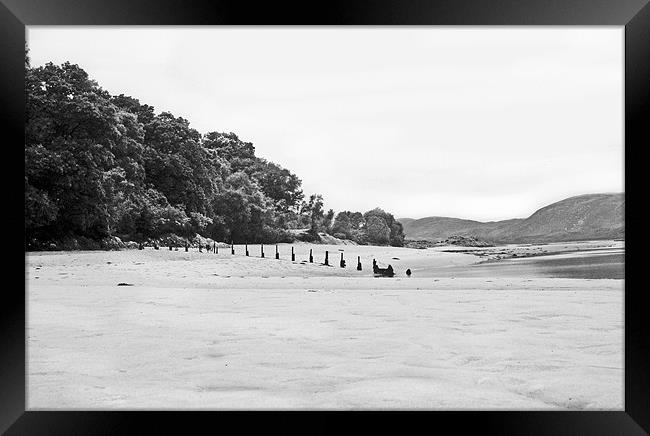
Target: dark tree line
(98, 166)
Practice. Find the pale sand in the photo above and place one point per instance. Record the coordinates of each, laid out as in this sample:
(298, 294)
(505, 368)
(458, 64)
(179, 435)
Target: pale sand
(207, 331)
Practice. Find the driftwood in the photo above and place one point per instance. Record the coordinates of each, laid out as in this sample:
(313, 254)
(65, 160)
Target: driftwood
(382, 272)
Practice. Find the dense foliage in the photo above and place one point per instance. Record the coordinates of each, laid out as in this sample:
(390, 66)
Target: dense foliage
(375, 227)
(98, 166)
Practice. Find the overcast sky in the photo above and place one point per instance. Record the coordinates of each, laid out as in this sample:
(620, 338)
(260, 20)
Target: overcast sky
(481, 123)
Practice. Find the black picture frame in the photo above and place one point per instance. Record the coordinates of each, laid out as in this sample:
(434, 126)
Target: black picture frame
(634, 15)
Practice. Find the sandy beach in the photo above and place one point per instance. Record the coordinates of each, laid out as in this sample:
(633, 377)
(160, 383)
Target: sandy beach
(216, 331)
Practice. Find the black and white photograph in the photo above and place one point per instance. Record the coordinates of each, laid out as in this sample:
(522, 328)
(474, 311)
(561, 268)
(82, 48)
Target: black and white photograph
(325, 218)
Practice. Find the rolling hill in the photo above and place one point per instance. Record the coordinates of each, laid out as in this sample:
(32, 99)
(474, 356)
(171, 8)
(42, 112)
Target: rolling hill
(584, 217)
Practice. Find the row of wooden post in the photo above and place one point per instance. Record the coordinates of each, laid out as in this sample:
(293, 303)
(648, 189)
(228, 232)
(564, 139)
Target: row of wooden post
(215, 249)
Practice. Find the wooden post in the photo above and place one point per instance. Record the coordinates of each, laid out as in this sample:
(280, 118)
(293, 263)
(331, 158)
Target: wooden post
(246, 249)
(342, 263)
(293, 255)
(214, 247)
(170, 247)
(262, 250)
(327, 262)
(358, 263)
(186, 246)
(311, 258)
(217, 249)
(277, 255)
(232, 248)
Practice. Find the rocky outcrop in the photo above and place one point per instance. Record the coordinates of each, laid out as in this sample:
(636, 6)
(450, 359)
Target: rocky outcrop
(465, 241)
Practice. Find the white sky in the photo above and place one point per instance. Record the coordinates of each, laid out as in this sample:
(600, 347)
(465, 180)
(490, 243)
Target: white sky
(482, 123)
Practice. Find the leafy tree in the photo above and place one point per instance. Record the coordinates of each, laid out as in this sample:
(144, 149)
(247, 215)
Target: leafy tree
(177, 164)
(244, 209)
(278, 184)
(395, 230)
(313, 209)
(341, 224)
(151, 215)
(240, 154)
(143, 112)
(75, 142)
(349, 224)
(377, 231)
(327, 220)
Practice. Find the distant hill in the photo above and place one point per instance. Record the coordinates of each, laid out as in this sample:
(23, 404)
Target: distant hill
(584, 217)
(436, 227)
(406, 220)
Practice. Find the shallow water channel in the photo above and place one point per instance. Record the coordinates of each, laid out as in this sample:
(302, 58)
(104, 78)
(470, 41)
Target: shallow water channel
(588, 264)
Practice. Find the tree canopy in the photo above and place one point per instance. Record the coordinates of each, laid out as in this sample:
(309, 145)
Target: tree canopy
(98, 165)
